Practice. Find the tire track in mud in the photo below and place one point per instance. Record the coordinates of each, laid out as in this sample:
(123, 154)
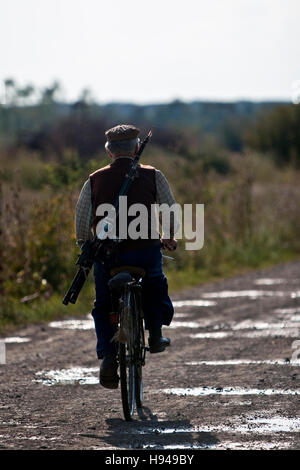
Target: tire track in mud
(229, 380)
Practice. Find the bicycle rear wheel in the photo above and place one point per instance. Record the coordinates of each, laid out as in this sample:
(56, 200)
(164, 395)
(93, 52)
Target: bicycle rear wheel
(139, 351)
(127, 379)
(127, 358)
(138, 386)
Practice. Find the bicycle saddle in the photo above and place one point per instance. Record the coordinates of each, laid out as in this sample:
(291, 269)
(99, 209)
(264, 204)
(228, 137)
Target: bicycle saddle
(135, 271)
(117, 282)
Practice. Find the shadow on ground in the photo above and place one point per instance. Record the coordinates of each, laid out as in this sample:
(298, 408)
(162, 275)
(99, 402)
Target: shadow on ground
(147, 432)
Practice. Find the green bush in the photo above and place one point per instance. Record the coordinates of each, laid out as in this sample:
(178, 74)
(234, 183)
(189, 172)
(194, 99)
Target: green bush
(276, 132)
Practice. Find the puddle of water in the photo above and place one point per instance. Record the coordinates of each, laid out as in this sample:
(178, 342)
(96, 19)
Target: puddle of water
(278, 424)
(234, 362)
(217, 335)
(202, 391)
(30, 438)
(268, 282)
(181, 315)
(286, 333)
(184, 324)
(231, 403)
(73, 324)
(257, 426)
(287, 310)
(193, 303)
(295, 295)
(16, 339)
(186, 445)
(249, 445)
(247, 324)
(224, 444)
(36, 438)
(10, 423)
(165, 430)
(256, 325)
(295, 318)
(252, 294)
(29, 426)
(81, 375)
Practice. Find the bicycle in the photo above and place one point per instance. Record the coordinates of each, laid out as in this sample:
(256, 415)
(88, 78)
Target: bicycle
(127, 316)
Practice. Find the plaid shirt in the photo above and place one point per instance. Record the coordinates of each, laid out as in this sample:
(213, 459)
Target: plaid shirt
(84, 216)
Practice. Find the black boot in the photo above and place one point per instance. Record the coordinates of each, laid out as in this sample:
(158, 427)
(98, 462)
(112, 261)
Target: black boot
(157, 343)
(108, 376)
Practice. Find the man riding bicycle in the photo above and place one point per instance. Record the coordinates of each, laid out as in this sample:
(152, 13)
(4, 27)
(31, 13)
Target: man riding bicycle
(150, 187)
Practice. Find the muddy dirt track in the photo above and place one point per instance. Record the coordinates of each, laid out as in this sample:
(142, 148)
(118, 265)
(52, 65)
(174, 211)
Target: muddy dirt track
(230, 380)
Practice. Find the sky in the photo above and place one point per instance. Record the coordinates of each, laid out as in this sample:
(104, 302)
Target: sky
(157, 51)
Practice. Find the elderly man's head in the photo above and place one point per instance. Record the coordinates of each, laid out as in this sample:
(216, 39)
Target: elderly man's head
(122, 140)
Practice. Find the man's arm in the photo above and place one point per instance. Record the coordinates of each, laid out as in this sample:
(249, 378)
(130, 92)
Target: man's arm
(164, 195)
(83, 215)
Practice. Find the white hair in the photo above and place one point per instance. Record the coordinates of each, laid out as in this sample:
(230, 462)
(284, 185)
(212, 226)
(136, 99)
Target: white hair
(118, 148)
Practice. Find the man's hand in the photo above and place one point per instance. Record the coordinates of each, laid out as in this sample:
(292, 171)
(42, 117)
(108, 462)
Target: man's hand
(169, 244)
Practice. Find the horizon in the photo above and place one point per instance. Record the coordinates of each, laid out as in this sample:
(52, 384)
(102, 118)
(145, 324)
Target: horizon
(268, 100)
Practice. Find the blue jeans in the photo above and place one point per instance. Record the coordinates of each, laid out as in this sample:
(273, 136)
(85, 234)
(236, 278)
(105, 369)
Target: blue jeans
(157, 306)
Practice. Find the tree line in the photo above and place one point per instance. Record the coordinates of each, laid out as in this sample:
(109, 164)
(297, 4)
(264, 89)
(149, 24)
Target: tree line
(39, 120)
